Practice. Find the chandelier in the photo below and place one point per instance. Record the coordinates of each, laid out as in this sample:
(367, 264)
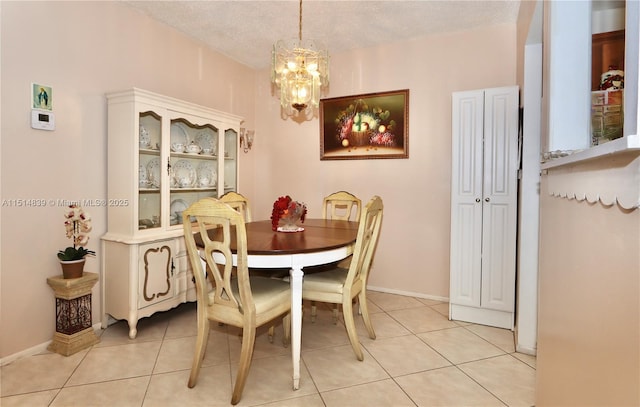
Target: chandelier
(300, 69)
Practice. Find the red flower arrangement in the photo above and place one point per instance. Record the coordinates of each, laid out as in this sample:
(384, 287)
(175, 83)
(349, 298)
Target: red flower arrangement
(285, 207)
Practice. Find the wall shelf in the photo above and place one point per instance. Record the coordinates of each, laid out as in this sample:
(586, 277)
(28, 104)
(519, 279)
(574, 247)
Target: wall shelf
(623, 145)
(609, 173)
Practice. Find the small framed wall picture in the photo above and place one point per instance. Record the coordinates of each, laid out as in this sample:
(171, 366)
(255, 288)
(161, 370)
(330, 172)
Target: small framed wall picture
(41, 97)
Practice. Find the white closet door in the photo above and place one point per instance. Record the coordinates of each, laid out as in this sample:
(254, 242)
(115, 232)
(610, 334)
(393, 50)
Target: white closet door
(466, 219)
(484, 206)
(499, 212)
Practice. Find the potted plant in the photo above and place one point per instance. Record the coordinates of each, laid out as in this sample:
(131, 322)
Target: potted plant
(78, 225)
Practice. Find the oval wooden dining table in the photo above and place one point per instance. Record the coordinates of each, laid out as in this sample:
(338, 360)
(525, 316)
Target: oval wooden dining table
(322, 241)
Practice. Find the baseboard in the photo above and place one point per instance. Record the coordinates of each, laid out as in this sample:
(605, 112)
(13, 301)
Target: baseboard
(526, 351)
(34, 350)
(407, 293)
(482, 316)
(41, 348)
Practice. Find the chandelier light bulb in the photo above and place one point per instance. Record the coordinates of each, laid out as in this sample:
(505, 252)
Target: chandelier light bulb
(301, 94)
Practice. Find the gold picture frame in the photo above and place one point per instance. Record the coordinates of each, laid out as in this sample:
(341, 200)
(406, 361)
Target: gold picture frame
(367, 126)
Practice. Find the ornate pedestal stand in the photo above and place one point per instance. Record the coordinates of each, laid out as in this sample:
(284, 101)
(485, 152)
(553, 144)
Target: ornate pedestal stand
(73, 313)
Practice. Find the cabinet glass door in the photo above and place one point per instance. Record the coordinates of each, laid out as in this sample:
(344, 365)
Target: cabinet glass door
(149, 170)
(230, 160)
(193, 163)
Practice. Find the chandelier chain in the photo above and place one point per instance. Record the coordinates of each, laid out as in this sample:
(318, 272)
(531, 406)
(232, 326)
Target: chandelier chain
(300, 23)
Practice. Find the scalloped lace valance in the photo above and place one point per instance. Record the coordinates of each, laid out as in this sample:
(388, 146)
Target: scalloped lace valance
(608, 179)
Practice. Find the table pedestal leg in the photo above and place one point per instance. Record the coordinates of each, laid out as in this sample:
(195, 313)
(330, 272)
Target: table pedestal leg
(296, 322)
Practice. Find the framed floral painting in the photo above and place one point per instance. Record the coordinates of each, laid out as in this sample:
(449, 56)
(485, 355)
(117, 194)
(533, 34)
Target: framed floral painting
(373, 125)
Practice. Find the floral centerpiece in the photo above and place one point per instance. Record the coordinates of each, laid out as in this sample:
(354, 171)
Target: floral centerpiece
(289, 212)
(77, 225)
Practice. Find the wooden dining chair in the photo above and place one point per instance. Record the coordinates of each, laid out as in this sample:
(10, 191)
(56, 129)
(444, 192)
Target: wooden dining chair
(235, 299)
(239, 203)
(341, 205)
(342, 286)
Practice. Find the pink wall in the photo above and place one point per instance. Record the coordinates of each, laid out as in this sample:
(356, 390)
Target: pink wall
(589, 305)
(83, 50)
(413, 251)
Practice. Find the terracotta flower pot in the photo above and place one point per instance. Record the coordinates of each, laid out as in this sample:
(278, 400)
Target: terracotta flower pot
(72, 268)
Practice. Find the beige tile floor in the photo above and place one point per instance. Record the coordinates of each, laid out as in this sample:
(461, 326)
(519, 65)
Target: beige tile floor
(419, 358)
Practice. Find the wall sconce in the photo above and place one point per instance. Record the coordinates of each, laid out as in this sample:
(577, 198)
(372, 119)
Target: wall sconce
(246, 139)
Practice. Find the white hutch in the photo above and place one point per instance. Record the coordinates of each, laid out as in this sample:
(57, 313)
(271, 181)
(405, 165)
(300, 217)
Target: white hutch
(163, 155)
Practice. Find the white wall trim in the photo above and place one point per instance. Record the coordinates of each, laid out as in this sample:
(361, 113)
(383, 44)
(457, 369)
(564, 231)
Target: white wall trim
(529, 203)
(34, 350)
(609, 179)
(525, 350)
(41, 348)
(407, 293)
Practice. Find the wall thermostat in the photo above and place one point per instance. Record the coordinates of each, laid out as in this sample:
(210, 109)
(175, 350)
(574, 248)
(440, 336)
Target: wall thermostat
(42, 120)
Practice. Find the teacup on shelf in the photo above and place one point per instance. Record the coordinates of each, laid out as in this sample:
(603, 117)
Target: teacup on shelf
(177, 147)
(207, 151)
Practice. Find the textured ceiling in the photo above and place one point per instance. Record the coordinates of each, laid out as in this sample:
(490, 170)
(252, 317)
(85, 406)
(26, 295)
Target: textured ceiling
(246, 30)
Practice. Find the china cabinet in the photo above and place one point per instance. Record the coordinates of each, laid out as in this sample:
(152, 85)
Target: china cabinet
(163, 155)
(484, 206)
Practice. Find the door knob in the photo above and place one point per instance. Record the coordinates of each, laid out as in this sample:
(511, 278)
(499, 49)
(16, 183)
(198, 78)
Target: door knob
(477, 199)
(486, 199)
